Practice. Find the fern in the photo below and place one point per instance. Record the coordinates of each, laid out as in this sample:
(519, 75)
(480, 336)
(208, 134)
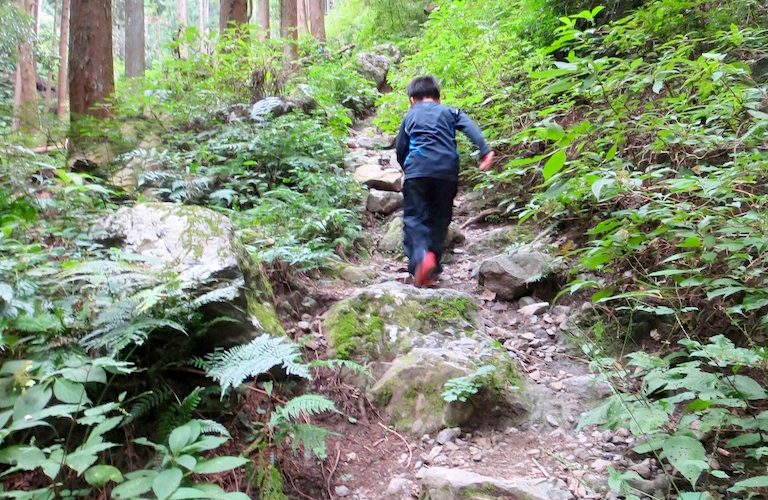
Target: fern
(179, 414)
(117, 337)
(232, 367)
(311, 438)
(146, 402)
(213, 427)
(306, 405)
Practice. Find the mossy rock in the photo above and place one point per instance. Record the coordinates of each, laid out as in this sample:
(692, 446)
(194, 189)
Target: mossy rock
(200, 247)
(419, 339)
(392, 241)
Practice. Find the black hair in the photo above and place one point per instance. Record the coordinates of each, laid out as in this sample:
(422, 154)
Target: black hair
(424, 87)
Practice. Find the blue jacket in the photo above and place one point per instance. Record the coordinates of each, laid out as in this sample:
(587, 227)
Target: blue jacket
(426, 144)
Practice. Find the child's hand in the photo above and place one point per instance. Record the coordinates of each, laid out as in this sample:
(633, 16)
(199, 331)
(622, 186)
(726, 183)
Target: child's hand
(487, 161)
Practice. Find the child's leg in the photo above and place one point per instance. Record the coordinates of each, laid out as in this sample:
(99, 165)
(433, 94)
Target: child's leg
(416, 228)
(441, 211)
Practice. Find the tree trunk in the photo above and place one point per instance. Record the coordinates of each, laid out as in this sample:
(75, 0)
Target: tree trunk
(135, 52)
(233, 12)
(181, 16)
(264, 18)
(27, 115)
(61, 96)
(202, 22)
(91, 75)
(317, 19)
(49, 83)
(288, 21)
(301, 17)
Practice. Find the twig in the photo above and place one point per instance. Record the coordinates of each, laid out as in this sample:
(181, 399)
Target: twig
(332, 470)
(546, 474)
(481, 217)
(377, 443)
(265, 393)
(405, 441)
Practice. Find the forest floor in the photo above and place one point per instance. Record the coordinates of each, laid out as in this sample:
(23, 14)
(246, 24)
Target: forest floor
(369, 460)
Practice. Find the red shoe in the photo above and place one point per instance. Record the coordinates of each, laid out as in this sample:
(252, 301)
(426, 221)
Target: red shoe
(424, 271)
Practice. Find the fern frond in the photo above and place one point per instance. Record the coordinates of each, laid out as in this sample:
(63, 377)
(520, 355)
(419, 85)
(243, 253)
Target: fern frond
(232, 367)
(118, 337)
(224, 294)
(306, 405)
(213, 427)
(311, 438)
(179, 414)
(145, 402)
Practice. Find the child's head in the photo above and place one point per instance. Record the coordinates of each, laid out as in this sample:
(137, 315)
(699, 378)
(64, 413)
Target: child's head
(424, 87)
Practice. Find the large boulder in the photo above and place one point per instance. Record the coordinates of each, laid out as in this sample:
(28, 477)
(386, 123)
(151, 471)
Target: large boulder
(378, 177)
(392, 241)
(516, 275)
(200, 247)
(416, 340)
(269, 107)
(442, 483)
(383, 202)
(374, 67)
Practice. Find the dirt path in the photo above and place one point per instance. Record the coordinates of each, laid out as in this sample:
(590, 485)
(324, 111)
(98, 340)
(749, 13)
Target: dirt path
(369, 461)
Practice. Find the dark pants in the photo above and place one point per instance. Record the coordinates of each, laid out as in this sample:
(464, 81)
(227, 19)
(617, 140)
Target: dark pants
(427, 212)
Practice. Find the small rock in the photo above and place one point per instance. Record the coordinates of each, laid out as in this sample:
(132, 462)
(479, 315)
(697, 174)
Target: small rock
(533, 452)
(533, 309)
(448, 435)
(435, 451)
(351, 457)
(600, 465)
(643, 469)
(342, 491)
(399, 486)
(383, 202)
(451, 446)
(528, 336)
(374, 176)
(304, 325)
(526, 301)
(440, 460)
(552, 421)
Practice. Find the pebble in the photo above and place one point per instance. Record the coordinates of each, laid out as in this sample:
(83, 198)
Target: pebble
(448, 435)
(432, 454)
(556, 386)
(528, 336)
(600, 465)
(398, 486)
(552, 421)
(449, 446)
(351, 457)
(534, 452)
(534, 309)
(440, 459)
(643, 468)
(342, 491)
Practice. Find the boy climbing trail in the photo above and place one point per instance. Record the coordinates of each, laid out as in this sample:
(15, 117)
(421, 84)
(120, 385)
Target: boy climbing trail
(426, 149)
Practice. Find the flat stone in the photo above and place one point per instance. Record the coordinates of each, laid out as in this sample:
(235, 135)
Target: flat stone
(377, 177)
(533, 309)
(441, 483)
(342, 491)
(383, 202)
(399, 487)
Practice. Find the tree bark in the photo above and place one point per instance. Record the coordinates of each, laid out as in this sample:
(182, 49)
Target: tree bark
(301, 17)
(135, 38)
(181, 16)
(27, 115)
(317, 19)
(288, 22)
(91, 75)
(234, 12)
(202, 22)
(62, 88)
(264, 19)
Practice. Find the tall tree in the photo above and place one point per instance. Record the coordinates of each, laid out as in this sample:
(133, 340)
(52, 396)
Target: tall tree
(317, 19)
(181, 17)
(233, 12)
(203, 8)
(135, 38)
(62, 88)
(91, 75)
(288, 22)
(27, 115)
(264, 18)
(301, 17)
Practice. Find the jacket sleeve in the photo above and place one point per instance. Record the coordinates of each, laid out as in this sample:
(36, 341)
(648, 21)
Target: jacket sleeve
(469, 128)
(403, 145)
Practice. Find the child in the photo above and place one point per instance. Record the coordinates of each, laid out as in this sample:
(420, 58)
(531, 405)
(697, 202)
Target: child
(426, 149)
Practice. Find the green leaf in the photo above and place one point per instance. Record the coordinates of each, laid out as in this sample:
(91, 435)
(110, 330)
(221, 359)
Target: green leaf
(30, 403)
(219, 464)
(179, 438)
(99, 475)
(554, 164)
(189, 493)
(187, 461)
(752, 482)
(24, 457)
(166, 483)
(138, 483)
(747, 387)
(687, 455)
(70, 392)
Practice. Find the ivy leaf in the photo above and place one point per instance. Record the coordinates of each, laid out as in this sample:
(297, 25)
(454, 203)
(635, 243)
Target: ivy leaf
(219, 464)
(687, 455)
(555, 164)
(99, 475)
(166, 483)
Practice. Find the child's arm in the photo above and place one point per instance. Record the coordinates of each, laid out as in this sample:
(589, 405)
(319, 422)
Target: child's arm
(403, 145)
(469, 128)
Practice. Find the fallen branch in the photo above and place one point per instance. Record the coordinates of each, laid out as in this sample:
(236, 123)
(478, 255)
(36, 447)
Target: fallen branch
(481, 217)
(405, 441)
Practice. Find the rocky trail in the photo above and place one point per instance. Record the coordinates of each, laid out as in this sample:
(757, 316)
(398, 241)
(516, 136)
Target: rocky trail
(513, 439)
